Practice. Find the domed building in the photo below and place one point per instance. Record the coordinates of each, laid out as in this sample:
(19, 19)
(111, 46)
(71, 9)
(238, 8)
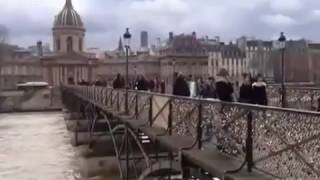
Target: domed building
(68, 30)
(69, 64)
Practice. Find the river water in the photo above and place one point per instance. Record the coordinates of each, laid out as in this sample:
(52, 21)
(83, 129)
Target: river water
(36, 146)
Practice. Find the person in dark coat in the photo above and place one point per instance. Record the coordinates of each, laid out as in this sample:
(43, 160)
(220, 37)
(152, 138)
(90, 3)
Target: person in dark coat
(259, 93)
(210, 89)
(318, 108)
(98, 83)
(246, 90)
(118, 83)
(70, 81)
(181, 87)
(141, 84)
(224, 87)
(152, 85)
(162, 87)
(157, 84)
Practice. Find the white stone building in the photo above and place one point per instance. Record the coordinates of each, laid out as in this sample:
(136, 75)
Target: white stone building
(228, 57)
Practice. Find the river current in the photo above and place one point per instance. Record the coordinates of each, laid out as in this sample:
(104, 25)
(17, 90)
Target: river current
(36, 146)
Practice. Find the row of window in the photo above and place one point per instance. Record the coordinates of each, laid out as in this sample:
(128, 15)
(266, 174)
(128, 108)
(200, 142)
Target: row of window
(20, 70)
(69, 42)
(228, 61)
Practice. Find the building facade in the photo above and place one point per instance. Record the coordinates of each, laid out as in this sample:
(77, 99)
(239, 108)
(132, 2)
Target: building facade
(69, 63)
(229, 57)
(185, 53)
(17, 69)
(144, 44)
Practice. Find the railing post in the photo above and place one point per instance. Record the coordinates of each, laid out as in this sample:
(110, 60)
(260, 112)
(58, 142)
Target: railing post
(118, 101)
(106, 98)
(170, 120)
(199, 126)
(111, 99)
(150, 110)
(136, 111)
(249, 143)
(312, 101)
(126, 104)
(127, 153)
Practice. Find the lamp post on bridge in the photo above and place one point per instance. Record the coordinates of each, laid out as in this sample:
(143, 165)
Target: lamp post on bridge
(173, 74)
(282, 45)
(127, 39)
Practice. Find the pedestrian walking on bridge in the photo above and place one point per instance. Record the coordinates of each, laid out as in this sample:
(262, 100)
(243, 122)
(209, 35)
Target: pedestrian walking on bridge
(246, 93)
(224, 87)
(181, 87)
(259, 91)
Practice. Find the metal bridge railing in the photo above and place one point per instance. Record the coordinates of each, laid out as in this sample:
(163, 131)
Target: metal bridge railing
(284, 143)
(296, 97)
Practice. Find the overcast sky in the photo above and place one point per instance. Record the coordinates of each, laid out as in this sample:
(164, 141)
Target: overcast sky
(106, 20)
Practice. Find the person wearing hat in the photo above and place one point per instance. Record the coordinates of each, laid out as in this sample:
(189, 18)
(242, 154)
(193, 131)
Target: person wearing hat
(224, 88)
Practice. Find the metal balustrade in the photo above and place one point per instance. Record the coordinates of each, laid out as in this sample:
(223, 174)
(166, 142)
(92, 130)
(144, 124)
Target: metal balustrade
(296, 97)
(283, 143)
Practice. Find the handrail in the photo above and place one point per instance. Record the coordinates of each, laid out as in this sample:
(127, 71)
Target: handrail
(245, 130)
(216, 101)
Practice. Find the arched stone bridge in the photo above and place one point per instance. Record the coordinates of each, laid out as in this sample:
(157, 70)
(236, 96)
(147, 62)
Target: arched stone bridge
(169, 137)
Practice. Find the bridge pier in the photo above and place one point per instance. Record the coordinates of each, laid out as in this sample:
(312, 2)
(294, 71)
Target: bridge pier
(90, 138)
(99, 166)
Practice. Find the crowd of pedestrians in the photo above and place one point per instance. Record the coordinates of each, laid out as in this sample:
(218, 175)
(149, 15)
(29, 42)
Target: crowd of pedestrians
(252, 90)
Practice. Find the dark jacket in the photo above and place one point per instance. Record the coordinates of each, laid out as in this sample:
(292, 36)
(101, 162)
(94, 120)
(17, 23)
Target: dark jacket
(224, 89)
(162, 87)
(209, 91)
(118, 83)
(151, 85)
(181, 88)
(98, 83)
(142, 85)
(259, 93)
(318, 108)
(246, 93)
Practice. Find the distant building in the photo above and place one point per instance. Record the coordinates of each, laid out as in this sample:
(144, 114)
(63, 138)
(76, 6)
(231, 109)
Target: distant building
(18, 66)
(207, 41)
(314, 58)
(297, 64)
(258, 54)
(45, 49)
(144, 40)
(197, 57)
(229, 57)
(70, 62)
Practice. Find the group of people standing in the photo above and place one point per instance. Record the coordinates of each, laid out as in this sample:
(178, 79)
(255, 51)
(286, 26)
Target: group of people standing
(252, 90)
(140, 83)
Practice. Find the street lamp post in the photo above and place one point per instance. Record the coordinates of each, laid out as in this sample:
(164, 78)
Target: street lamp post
(127, 39)
(174, 73)
(282, 43)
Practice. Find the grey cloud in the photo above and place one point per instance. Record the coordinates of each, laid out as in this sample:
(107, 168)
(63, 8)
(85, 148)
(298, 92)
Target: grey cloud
(106, 20)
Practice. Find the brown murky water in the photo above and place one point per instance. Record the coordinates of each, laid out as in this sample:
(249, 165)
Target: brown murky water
(36, 146)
